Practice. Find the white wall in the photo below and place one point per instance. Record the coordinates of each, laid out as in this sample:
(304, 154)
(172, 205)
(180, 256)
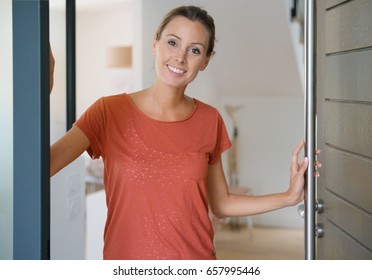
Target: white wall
(6, 131)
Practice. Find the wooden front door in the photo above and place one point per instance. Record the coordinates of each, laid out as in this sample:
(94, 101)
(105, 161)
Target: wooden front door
(344, 133)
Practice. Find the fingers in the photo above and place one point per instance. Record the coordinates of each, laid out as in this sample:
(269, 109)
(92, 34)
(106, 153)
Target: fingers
(298, 149)
(295, 167)
(295, 153)
(317, 165)
(304, 165)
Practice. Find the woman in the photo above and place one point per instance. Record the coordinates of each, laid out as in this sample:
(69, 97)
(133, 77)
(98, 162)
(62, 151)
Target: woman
(162, 154)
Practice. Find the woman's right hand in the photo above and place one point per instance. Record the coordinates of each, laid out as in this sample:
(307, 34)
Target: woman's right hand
(51, 69)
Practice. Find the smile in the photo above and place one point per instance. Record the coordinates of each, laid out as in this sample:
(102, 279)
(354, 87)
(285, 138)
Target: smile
(176, 70)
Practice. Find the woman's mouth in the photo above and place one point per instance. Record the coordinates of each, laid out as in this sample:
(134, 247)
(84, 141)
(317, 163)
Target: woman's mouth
(176, 70)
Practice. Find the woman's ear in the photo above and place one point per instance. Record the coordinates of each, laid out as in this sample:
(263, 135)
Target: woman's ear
(205, 64)
(154, 41)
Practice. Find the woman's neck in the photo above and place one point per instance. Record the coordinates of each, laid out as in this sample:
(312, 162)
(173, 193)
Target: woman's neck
(164, 103)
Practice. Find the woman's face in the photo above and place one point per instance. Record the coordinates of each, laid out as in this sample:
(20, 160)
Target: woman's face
(180, 53)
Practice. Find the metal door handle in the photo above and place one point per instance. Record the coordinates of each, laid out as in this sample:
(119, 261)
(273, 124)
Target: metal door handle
(319, 207)
(319, 230)
(309, 54)
(301, 210)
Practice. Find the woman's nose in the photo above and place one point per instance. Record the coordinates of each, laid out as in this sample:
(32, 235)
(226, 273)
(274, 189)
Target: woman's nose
(181, 56)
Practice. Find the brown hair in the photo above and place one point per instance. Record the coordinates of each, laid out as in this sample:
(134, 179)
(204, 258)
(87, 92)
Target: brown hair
(192, 13)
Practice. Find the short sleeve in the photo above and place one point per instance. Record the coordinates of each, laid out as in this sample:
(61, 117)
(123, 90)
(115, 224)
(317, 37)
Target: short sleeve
(92, 123)
(222, 142)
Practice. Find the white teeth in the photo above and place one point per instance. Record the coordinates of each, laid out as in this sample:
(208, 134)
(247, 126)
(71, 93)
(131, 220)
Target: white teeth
(176, 70)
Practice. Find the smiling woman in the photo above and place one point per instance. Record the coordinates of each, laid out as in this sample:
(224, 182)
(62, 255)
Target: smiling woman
(162, 154)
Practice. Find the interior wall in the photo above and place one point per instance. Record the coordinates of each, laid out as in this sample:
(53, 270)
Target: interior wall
(6, 131)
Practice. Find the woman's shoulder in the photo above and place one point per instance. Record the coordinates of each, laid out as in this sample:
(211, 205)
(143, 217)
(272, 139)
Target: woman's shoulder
(119, 97)
(205, 108)
(110, 101)
(109, 104)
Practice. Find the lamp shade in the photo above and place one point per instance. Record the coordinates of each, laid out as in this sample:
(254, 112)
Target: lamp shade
(119, 57)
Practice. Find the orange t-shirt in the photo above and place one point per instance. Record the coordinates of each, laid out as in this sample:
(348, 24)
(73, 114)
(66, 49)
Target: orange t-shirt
(155, 178)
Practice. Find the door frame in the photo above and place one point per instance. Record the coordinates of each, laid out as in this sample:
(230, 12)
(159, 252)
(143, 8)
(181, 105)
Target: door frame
(31, 194)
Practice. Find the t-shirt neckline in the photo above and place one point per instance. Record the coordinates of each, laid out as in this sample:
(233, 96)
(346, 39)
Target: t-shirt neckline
(145, 116)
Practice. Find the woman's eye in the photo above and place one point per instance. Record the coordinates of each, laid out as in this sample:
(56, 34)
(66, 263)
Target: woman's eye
(195, 51)
(172, 43)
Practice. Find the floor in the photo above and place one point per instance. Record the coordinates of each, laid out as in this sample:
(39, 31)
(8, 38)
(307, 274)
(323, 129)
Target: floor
(261, 243)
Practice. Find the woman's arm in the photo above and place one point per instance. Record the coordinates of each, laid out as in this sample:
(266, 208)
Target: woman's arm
(224, 204)
(72, 144)
(67, 149)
